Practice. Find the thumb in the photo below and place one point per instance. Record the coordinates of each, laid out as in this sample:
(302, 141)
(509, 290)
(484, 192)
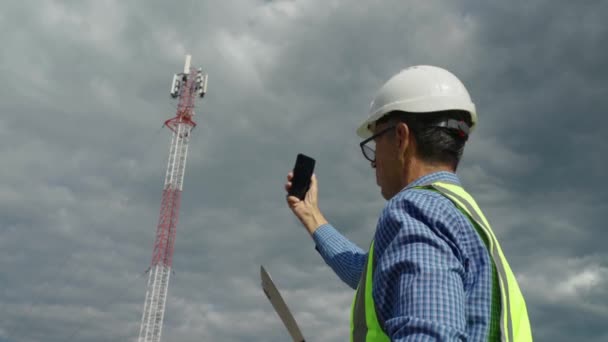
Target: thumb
(313, 190)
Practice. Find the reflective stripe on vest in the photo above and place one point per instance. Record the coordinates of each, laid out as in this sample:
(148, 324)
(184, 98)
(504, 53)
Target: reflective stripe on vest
(514, 323)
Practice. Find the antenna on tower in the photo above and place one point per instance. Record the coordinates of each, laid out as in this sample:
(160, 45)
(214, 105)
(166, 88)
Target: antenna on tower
(187, 65)
(186, 87)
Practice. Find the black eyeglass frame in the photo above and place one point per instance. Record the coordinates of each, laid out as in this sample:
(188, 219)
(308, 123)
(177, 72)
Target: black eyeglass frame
(371, 150)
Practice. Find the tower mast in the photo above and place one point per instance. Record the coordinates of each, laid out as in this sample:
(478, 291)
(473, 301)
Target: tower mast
(187, 86)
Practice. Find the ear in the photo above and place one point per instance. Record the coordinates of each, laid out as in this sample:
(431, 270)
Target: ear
(402, 132)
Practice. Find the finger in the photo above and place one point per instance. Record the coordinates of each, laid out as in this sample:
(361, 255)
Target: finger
(293, 200)
(287, 186)
(313, 183)
(290, 176)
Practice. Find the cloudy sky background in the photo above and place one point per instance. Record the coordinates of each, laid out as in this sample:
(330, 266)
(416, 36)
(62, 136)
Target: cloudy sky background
(84, 91)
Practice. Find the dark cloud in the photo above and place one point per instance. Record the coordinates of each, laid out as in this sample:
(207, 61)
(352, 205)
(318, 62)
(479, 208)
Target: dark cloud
(85, 92)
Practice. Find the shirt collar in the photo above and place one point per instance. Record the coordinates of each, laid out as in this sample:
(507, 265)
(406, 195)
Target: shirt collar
(440, 176)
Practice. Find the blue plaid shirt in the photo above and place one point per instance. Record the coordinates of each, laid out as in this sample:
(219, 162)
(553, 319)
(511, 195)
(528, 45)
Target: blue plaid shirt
(433, 275)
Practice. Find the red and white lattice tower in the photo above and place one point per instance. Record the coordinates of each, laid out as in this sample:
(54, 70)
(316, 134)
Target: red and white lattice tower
(187, 86)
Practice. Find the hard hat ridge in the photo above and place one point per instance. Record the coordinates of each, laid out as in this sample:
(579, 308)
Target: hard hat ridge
(419, 89)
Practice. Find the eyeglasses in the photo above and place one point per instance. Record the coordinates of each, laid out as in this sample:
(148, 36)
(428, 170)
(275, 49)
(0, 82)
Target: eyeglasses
(369, 151)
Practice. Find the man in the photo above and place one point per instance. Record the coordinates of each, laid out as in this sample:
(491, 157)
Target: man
(434, 270)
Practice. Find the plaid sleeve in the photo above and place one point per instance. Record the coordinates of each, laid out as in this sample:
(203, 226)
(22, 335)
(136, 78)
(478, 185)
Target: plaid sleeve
(418, 279)
(344, 257)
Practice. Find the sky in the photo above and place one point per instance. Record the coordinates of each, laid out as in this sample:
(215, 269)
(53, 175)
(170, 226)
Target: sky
(85, 90)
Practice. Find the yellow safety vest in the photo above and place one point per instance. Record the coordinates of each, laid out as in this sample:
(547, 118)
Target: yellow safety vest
(514, 323)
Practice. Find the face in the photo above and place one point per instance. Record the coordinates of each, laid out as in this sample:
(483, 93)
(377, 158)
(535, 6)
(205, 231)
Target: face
(386, 165)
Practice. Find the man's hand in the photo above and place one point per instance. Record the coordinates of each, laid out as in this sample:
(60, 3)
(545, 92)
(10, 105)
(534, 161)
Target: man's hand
(307, 210)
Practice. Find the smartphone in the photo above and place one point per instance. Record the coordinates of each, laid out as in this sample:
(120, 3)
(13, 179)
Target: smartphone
(302, 172)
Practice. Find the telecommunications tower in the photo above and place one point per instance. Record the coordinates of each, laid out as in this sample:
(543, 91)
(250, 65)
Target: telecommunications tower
(186, 86)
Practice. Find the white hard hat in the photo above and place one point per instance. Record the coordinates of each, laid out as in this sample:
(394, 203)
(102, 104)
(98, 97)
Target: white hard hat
(419, 89)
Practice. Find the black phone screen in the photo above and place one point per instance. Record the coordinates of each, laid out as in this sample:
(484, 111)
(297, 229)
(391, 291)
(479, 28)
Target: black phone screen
(302, 172)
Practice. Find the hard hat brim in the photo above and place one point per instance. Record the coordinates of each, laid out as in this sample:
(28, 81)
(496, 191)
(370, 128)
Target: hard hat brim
(439, 103)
